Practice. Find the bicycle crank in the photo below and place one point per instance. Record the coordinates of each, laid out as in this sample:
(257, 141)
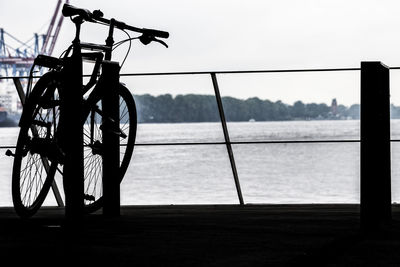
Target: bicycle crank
(46, 148)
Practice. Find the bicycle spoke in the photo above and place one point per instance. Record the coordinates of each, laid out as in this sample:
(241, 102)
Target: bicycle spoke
(32, 172)
(95, 175)
(31, 183)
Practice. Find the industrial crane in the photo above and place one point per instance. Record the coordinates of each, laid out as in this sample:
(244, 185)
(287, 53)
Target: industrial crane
(18, 60)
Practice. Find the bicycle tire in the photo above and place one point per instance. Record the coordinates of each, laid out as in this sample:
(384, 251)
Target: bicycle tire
(93, 159)
(33, 172)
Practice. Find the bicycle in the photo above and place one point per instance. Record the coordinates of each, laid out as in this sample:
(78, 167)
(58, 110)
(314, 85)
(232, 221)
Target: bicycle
(39, 152)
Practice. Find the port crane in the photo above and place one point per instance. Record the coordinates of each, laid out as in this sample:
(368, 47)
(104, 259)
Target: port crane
(18, 59)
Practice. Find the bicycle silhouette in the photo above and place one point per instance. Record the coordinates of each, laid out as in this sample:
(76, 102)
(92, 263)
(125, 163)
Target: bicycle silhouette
(42, 138)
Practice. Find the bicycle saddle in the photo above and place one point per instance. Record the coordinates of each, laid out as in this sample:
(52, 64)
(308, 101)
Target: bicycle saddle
(69, 10)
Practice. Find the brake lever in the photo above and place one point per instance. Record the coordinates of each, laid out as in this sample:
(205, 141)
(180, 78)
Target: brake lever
(146, 39)
(161, 42)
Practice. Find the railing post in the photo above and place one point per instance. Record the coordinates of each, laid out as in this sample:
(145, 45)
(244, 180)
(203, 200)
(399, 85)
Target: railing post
(375, 146)
(227, 139)
(110, 127)
(71, 135)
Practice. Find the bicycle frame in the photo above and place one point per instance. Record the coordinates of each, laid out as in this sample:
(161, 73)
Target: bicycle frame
(70, 67)
(109, 77)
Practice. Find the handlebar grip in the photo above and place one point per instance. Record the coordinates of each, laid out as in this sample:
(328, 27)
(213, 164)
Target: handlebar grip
(156, 33)
(70, 10)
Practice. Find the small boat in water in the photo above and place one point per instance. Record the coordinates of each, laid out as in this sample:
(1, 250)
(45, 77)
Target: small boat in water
(5, 120)
(10, 106)
(3, 113)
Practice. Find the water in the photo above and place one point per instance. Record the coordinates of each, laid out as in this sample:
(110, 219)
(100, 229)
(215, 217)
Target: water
(268, 173)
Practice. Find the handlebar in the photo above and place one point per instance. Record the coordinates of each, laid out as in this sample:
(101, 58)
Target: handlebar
(97, 16)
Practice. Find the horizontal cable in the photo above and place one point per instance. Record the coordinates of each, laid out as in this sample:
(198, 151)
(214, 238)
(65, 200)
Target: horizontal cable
(181, 144)
(233, 143)
(295, 141)
(216, 72)
(240, 142)
(248, 142)
(7, 147)
(237, 72)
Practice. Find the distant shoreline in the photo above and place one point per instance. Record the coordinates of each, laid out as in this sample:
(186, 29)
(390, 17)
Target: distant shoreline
(203, 108)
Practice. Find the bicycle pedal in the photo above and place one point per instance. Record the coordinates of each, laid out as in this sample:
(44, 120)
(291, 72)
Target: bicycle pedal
(41, 123)
(118, 131)
(9, 153)
(122, 134)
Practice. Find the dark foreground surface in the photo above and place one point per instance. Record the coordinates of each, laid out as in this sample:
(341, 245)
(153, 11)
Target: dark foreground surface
(223, 235)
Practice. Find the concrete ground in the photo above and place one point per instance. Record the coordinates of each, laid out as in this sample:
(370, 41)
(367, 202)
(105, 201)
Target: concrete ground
(200, 235)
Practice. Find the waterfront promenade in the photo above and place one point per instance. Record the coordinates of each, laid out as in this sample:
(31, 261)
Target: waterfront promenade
(202, 235)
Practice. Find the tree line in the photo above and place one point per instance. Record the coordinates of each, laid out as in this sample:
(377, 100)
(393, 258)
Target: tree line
(203, 108)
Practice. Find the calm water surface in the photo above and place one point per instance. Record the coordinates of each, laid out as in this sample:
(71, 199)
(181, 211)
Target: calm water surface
(268, 173)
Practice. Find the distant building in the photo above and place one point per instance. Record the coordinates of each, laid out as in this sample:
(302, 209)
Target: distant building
(8, 97)
(334, 110)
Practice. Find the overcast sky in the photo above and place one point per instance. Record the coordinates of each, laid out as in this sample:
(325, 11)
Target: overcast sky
(240, 35)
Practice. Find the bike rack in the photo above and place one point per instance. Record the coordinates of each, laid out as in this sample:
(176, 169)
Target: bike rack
(71, 136)
(110, 106)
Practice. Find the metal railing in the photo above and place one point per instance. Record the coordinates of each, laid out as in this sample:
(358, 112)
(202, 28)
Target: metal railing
(227, 142)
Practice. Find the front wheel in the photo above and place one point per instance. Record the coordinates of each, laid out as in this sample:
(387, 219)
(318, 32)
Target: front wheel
(37, 154)
(92, 138)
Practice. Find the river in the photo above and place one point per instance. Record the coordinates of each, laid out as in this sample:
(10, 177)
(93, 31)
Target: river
(268, 173)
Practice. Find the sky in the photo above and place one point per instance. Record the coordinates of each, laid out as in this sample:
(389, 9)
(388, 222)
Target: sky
(217, 35)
